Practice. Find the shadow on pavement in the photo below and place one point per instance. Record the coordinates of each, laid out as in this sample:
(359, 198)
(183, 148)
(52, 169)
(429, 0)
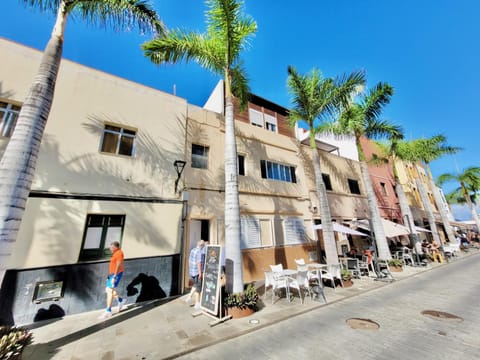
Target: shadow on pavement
(51, 348)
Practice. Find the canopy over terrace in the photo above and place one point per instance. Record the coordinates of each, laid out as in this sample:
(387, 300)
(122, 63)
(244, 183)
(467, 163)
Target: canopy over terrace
(341, 228)
(391, 228)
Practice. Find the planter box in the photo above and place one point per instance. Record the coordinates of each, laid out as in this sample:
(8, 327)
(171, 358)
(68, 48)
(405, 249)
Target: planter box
(237, 312)
(395, 268)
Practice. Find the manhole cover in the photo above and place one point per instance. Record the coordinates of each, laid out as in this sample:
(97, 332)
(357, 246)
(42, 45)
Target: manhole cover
(362, 324)
(441, 315)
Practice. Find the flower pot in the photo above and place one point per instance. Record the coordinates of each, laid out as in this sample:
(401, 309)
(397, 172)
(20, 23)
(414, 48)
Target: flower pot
(347, 283)
(237, 312)
(395, 268)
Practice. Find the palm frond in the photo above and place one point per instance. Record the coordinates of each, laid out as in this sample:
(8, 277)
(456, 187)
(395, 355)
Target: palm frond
(382, 128)
(178, 46)
(240, 87)
(120, 14)
(376, 99)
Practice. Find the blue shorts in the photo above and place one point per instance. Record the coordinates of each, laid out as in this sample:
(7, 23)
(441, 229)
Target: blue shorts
(117, 280)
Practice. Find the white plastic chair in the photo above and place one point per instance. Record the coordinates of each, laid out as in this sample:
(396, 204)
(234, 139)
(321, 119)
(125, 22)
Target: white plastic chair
(274, 282)
(300, 283)
(300, 261)
(316, 283)
(332, 274)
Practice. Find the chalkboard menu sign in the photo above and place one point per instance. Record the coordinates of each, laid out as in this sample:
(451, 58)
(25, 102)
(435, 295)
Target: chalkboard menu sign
(209, 299)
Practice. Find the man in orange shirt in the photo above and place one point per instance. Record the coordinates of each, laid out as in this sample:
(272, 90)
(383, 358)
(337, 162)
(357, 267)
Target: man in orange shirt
(115, 272)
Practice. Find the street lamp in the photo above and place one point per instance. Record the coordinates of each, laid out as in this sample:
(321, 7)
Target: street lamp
(413, 238)
(179, 166)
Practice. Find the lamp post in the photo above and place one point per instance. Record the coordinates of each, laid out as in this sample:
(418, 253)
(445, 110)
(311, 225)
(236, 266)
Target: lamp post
(413, 238)
(179, 166)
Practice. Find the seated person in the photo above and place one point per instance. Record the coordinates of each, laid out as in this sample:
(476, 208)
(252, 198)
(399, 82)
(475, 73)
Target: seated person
(435, 251)
(352, 252)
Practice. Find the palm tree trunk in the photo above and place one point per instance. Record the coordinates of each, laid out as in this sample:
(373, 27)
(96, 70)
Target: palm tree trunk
(329, 242)
(471, 205)
(406, 211)
(440, 206)
(428, 209)
(233, 254)
(380, 239)
(17, 166)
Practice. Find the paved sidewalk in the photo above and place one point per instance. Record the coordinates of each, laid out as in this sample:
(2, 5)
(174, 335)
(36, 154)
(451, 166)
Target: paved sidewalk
(161, 330)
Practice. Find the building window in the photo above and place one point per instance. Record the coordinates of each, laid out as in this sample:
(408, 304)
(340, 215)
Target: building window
(100, 232)
(270, 123)
(353, 185)
(275, 171)
(8, 118)
(241, 165)
(199, 156)
(383, 189)
(256, 118)
(327, 182)
(262, 120)
(118, 140)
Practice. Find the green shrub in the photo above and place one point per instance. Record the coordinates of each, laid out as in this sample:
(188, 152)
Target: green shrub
(246, 299)
(346, 274)
(13, 341)
(395, 262)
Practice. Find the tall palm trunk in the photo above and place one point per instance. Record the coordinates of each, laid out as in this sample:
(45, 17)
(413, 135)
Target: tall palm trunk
(428, 209)
(471, 205)
(380, 239)
(327, 225)
(232, 203)
(17, 166)
(440, 206)
(405, 210)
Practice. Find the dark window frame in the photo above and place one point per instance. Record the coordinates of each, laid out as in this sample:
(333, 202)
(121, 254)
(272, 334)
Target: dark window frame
(122, 136)
(103, 221)
(275, 171)
(354, 186)
(199, 159)
(241, 164)
(327, 182)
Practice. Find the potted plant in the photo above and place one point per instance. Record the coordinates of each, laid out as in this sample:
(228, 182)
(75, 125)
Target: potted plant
(395, 265)
(242, 304)
(346, 277)
(13, 341)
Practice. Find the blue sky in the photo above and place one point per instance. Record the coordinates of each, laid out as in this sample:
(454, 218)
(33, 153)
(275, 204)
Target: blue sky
(427, 50)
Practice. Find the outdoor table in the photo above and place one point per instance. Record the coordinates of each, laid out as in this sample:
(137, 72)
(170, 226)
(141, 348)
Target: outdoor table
(288, 273)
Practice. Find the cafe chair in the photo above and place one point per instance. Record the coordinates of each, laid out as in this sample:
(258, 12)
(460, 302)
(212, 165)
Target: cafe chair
(316, 283)
(275, 283)
(353, 267)
(332, 274)
(301, 284)
(300, 261)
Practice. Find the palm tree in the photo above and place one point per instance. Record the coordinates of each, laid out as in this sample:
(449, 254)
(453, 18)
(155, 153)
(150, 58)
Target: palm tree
(218, 50)
(396, 150)
(426, 150)
(361, 119)
(18, 163)
(469, 181)
(315, 99)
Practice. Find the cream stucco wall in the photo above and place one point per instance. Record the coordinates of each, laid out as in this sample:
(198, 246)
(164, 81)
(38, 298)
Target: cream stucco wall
(85, 99)
(52, 230)
(74, 179)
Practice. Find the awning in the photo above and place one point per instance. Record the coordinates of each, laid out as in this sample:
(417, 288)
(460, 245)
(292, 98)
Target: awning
(341, 228)
(420, 229)
(390, 228)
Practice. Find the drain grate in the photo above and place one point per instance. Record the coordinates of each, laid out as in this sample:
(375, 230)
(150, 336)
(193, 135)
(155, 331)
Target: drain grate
(441, 315)
(362, 324)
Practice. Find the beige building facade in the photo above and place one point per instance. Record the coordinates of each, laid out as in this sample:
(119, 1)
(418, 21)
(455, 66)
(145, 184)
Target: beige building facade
(104, 173)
